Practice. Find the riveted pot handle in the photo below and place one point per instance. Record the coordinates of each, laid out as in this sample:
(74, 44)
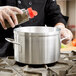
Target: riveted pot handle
(12, 41)
(63, 39)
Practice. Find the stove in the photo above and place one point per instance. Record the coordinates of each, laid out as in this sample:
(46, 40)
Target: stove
(66, 66)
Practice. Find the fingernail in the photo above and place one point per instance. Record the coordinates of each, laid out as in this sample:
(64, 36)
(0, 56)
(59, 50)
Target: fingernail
(21, 12)
(13, 26)
(16, 23)
(5, 28)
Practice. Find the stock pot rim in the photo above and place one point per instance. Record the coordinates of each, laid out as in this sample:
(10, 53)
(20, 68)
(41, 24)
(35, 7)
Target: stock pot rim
(37, 30)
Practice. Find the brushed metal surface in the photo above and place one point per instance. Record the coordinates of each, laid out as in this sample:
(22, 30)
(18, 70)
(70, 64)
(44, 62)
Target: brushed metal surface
(38, 45)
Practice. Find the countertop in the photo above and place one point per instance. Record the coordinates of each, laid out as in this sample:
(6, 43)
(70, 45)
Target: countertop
(69, 47)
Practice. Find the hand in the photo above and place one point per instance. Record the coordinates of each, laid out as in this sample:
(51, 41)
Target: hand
(9, 13)
(65, 33)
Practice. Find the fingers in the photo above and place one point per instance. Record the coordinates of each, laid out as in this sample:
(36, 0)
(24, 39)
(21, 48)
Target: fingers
(2, 22)
(16, 10)
(8, 18)
(13, 17)
(65, 41)
(66, 33)
(9, 13)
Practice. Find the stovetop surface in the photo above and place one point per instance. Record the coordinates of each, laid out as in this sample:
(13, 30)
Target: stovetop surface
(66, 66)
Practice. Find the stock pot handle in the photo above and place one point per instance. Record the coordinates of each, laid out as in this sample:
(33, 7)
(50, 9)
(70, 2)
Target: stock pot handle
(12, 41)
(63, 39)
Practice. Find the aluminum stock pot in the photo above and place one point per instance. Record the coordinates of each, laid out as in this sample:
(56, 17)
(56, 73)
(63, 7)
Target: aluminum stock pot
(36, 45)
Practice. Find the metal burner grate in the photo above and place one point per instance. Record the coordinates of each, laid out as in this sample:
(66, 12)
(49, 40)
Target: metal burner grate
(66, 66)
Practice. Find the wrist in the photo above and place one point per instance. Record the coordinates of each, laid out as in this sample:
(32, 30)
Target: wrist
(60, 26)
